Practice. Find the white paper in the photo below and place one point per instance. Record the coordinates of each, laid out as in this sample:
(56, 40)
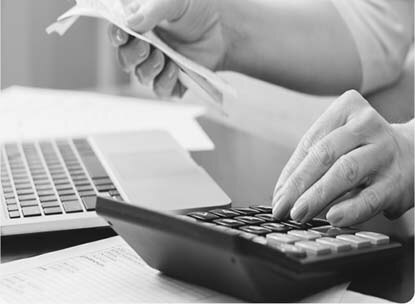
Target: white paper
(194, 76)
(28, 113)
(109, 271)
(106, 271)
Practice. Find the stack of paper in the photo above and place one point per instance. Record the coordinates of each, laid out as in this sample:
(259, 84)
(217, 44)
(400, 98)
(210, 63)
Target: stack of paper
(192, 75)
(27, 113)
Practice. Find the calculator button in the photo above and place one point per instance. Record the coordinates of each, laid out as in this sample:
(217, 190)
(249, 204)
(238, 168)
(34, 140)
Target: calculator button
(374, 238)
(250, 220)
(52, 210)
(296, 225)
(314, 247)
(316, 222)
(229, 222)
(355, 241)
(224, 212)
(304, 234)
(277, 238)
(255, 230)
(260, 240)
(245, 211)
(336, 245)
(266, 216)
(276, 227)
(333, 231)
(290, 250)
(266, 209)
(203, 216)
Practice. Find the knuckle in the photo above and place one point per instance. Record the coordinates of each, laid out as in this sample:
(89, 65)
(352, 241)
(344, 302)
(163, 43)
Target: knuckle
(348, 169)
(371, 201)
(322, 153)
(298, 183)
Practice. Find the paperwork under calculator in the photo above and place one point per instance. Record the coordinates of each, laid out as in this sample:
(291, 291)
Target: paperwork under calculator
(109, 271)
(192, 75)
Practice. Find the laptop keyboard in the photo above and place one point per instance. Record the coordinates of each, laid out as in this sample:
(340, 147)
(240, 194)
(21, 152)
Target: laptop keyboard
(52, 178)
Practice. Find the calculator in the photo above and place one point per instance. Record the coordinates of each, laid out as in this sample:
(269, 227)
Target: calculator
(245, 252)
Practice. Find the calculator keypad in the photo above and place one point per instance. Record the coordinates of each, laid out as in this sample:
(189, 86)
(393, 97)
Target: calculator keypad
(299, 240)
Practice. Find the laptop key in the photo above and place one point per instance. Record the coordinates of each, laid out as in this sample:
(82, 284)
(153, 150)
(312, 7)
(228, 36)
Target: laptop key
(90, 203)
(68, 198)
(28, 203)
(14, 214)
(106, 188)
(52, 210)
(28, 197)
(87, 193)
(48, 198)
(72, 206)
(31, 211)
(50, 204)
(12, 208)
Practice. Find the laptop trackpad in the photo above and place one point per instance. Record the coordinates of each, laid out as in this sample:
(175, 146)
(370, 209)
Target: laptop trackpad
(163, 179)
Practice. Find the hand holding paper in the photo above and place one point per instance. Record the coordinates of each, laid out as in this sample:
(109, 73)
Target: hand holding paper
(190, 30)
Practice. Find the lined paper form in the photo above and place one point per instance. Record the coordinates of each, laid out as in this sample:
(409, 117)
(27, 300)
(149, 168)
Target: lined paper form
(106, 271)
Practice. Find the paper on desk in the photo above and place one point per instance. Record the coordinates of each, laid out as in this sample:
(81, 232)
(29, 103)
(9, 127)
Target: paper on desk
(192, 75)
(106, 271)
(109, 271)
(28, 113)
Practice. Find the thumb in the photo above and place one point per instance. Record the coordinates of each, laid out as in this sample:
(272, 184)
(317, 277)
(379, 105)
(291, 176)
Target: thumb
(152, 12)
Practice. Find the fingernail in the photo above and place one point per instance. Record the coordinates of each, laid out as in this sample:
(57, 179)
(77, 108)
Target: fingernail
(135, 19)
(299, 211)
(279, 207)
(120, 35)
(139, 76)
(335, 216)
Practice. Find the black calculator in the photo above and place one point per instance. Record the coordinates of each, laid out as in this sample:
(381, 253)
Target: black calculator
(245, 252)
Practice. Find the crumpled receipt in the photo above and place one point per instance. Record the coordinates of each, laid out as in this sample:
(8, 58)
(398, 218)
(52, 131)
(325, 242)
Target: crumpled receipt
(203, 81)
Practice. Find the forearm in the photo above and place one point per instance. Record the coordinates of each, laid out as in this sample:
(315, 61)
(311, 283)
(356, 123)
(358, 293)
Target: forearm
(300, 44)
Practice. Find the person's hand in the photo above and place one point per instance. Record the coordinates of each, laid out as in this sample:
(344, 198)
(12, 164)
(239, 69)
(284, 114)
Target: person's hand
(191, 27)
(352, 160)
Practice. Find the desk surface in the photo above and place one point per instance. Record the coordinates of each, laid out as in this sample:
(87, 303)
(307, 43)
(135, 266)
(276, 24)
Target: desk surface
(247, 168)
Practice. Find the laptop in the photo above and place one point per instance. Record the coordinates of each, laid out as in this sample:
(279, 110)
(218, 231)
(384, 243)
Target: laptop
(52, 184)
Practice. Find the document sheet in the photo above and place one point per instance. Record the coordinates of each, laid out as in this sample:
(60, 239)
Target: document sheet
(192, 75)
(109, 271)
(106, 271)
(28, 113)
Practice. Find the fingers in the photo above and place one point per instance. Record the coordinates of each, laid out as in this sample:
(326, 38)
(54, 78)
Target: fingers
(117, 36)
(143, 18)
(165, 84)
(347, 173)
(366, 204)
(150, 68)
(315, 164)
(335, 116)
(133, 53)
